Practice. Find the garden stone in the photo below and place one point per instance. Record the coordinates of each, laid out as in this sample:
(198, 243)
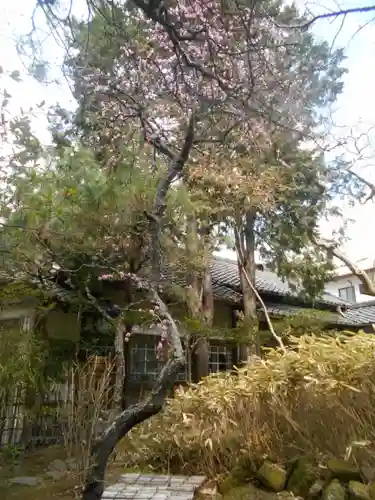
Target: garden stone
(26, 480)
(58, 464)
(56, 474)
(334, 491)
(72, 464)
(302, 477)
(367, 472)
(343, 470)
(316, 489)
(358, 491)
(287, 495)
(272, 476)
(371, 490)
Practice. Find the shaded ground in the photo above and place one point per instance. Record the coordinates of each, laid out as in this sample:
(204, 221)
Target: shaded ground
(251, 492)
(35, 464)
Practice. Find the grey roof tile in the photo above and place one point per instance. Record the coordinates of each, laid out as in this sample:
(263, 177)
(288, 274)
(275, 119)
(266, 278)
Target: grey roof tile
(362, 313)
(225, 272)
(285, 310)
(226, 286)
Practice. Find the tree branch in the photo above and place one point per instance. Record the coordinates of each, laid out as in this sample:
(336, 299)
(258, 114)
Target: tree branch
(98, 307)
(174, 170)
(328, 15)
(369, 184)
(367, 282)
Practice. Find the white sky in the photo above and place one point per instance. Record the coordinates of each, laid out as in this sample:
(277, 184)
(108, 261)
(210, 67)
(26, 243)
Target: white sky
(355, 110)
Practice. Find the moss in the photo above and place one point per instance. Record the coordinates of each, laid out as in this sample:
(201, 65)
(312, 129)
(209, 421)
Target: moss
(302, 477)
(241, 473)
(358, 491)
(248, 491)
(227, 483)
(272, 476)
(334, 491)
(371, 490)
(343, 470)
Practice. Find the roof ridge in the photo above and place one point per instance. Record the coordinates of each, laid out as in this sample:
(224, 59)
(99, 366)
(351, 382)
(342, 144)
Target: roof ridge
(224, 259)
(234, 261)
(359, 305)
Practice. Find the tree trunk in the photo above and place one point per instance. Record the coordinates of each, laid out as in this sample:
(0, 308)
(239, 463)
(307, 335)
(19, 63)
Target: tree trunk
(247, 247)
(129, 418)
(203, 354)
(154, 402)
(120, 369)
(200, 301)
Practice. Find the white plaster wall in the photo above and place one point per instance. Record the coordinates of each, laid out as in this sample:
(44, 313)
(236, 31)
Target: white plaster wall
(334, 286)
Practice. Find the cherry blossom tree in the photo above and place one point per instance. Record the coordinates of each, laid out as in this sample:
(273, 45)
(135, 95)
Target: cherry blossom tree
(219, 97)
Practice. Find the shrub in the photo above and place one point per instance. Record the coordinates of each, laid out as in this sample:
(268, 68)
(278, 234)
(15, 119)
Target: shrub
(315, 399)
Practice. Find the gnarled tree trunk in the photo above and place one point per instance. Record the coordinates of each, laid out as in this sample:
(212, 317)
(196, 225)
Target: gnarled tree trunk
(154, 402)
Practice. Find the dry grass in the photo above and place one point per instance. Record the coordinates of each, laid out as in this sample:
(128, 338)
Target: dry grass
(82, 416)
(86, 413)
(317, 398)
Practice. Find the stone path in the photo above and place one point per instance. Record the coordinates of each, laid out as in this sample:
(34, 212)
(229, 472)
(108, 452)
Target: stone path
(153, 487)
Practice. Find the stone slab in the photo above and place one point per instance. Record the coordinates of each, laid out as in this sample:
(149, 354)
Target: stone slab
(135, 486)
(26, 480)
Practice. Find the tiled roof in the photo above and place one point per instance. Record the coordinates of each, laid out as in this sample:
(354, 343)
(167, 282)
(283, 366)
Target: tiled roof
(285, 310)
(225, 275)
(362, 313)
(226, 286)
(279, 298)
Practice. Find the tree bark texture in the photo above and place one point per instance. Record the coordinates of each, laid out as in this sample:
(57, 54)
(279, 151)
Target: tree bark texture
(200, 301)
(246, 243)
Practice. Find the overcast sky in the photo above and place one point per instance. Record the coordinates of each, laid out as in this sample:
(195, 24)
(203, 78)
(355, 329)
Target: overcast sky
(355, 108)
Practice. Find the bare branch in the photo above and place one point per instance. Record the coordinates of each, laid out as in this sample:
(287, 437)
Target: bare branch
(175, 168)
(329, 15)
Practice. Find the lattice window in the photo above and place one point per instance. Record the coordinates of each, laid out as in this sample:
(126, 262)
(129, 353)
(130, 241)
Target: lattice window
(143, 359)
(221, 358)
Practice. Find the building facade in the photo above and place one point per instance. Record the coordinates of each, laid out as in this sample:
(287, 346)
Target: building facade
(347, 286)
